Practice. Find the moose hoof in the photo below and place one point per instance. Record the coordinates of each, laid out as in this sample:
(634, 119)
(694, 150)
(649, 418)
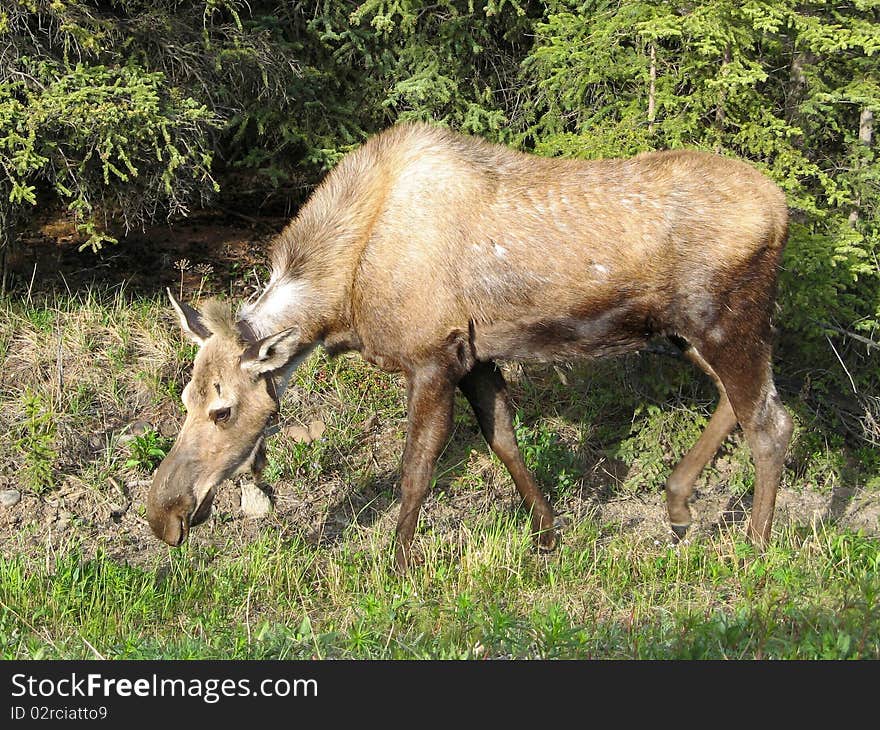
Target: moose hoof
(680, 531)
(406, 559)
(547, 540)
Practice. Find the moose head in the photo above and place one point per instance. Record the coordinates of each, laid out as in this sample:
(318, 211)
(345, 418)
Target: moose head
(230, 402)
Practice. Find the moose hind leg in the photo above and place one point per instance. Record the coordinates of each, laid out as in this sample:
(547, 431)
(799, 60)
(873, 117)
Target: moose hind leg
(486, 391)
(767, 428)
(680, 484)
(768, 431)
(430, 399)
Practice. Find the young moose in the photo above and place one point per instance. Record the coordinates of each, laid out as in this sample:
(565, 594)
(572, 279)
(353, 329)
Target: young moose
(436, 255)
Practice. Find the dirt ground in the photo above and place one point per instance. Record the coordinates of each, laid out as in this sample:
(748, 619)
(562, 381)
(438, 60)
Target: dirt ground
(235, 249)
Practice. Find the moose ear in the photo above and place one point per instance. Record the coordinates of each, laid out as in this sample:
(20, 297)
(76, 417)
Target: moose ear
(190, 321)
(272, 352)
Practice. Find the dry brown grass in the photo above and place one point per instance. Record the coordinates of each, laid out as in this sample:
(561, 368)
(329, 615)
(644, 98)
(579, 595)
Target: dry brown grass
(93, 364)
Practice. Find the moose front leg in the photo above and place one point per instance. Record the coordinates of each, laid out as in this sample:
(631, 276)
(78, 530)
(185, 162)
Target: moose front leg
(430, 399)
(486, 391)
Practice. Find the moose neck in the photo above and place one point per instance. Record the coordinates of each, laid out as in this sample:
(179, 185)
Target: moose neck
(308, 287)
(314, 258)
(283, 304)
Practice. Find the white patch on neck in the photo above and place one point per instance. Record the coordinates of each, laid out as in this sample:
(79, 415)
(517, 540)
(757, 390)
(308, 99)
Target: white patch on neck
(276, 308)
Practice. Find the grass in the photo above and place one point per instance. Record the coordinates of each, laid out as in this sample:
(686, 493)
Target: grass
(604, 595)
(78, 369)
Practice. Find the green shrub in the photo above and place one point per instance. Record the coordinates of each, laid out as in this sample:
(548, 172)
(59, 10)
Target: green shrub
(37, 443)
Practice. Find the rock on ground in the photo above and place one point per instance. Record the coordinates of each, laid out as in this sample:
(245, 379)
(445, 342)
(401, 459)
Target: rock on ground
(255, 503)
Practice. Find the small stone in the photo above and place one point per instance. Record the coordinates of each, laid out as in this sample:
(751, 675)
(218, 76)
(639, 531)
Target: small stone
(169, 428)
(255, 503)
(133, 430)
(371, 423)
(316, 429)
(10, 497)
(298, 433)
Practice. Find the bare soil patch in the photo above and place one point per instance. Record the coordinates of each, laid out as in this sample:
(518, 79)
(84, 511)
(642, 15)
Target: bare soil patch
(48, 257)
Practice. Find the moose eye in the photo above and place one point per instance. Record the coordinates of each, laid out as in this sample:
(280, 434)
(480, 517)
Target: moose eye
(219, 415)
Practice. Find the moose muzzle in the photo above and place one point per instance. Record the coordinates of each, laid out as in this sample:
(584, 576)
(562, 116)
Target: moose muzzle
(173, 506)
